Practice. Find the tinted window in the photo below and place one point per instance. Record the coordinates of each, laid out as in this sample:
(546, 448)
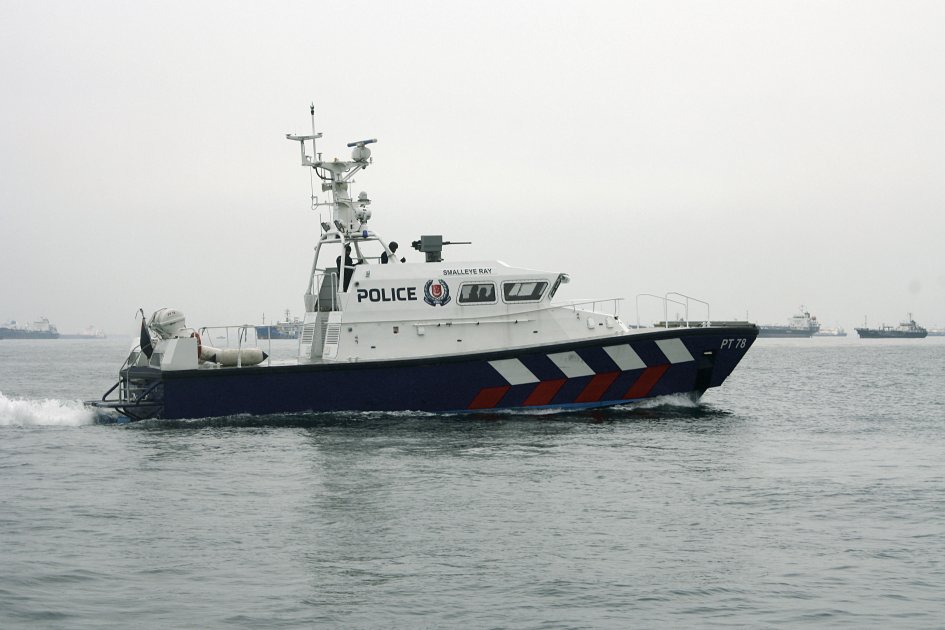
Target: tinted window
(478, 293)
(529, 291)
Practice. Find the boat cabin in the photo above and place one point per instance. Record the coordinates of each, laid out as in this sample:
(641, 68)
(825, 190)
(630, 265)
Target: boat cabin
(368, 311)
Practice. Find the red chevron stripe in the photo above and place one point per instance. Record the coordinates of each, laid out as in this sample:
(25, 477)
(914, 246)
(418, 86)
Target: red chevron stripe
(544, 392)
(596, 388)
(489, 397)
(647, 380)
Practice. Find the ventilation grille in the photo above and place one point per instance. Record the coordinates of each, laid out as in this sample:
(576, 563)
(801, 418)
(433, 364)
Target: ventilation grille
(308, 333)
(333, 334)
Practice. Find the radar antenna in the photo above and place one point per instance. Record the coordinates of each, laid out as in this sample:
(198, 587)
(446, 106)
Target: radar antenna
(348, 215)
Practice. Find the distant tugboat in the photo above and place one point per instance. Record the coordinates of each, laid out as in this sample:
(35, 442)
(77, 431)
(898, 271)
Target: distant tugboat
(905, 330)
(803, 325)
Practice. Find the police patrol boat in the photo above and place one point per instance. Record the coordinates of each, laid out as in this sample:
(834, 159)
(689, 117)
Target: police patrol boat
(382, 334)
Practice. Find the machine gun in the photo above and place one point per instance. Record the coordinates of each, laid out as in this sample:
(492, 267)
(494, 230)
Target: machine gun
(432, 246)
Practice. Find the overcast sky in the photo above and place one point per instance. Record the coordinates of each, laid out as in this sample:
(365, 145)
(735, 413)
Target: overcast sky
(757, 155)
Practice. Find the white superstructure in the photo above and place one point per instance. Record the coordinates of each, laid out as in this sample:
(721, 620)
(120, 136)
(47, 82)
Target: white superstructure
(360, 309)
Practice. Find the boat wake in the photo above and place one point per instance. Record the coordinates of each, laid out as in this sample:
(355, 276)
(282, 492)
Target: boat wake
(679, 401)
(673, 405)
(671, 401)
(48, 412)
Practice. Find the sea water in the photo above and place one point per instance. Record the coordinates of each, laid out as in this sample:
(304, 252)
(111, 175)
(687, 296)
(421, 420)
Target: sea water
(807, 491)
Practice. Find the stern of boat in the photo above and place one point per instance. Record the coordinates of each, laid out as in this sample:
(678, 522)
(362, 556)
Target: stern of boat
(138, 394)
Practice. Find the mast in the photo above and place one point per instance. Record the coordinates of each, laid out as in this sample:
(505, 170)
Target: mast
(349, 216)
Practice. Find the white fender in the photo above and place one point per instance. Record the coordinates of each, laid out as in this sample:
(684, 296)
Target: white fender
(230, 357)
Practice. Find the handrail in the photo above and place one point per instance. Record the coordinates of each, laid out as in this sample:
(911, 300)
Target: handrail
(314, 292)
(227, 327)
(575, 303)
(519, 316)
(658, 297)
(115, 386)
(708, 317)
(447, 322)
(336, 281)
(572, 304)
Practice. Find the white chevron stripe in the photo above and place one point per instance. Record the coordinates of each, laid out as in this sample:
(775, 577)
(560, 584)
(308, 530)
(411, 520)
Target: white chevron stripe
(514, 371)
(625, 357)
(675, 350)
(571, 364)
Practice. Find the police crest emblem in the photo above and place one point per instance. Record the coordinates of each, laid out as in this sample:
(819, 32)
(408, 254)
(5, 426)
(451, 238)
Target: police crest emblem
(436, 293)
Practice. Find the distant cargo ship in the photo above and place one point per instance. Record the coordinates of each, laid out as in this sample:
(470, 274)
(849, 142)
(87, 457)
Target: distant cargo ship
(831, 332)
(802, 325)
(88, 333)
(286, 329)
(40, 329)
(905, 330)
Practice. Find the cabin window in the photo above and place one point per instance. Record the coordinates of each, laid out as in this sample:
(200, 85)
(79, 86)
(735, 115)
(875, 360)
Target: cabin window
(526, 291)
(477, 293)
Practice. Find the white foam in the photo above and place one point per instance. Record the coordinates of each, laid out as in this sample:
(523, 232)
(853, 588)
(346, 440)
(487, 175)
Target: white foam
(669, 400)
(25, 412)
(520, 411)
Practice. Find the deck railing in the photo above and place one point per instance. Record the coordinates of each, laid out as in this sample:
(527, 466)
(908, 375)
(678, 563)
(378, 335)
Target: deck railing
(665, 299)
(614, 310)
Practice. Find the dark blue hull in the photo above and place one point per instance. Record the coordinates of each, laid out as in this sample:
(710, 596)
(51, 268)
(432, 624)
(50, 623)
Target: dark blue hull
(609, 374)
